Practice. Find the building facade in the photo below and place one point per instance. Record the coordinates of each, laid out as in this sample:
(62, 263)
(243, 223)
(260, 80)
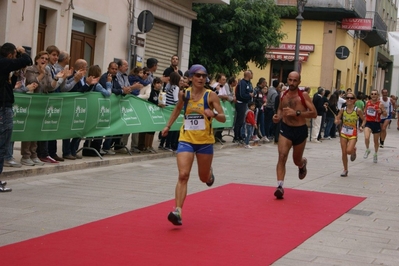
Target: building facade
(334, 54)
(102, 31)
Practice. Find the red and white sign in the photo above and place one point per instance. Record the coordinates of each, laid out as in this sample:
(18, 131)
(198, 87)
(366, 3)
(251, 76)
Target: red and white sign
(291, 47)
(357, 24)
(285, 56)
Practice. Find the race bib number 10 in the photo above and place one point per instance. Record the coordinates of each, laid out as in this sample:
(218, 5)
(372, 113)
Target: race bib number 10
(194, 122)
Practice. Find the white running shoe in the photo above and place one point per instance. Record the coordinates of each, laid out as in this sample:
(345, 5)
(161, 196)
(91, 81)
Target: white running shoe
(366, 154)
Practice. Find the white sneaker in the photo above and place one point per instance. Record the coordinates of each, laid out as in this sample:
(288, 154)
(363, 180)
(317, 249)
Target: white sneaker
(316, 141)
(37, 161)
(375, 158)
(366, 154)
(247, 147)
(110, 152)
(12, 163)
(27, 162)
(265, 139)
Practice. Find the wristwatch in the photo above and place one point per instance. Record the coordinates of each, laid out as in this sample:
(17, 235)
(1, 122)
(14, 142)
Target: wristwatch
(298, 113)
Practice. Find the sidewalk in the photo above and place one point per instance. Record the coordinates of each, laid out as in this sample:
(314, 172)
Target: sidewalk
(89, 162)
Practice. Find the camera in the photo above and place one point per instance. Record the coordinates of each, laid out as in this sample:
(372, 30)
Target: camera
(18, 54)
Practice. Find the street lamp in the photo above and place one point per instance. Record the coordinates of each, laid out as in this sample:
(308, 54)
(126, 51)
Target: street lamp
(301, 6)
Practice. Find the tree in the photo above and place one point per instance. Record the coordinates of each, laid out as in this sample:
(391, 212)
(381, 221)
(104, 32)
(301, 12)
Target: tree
(225, 38)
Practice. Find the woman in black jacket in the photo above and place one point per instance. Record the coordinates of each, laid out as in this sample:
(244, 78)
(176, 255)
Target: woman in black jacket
(332, 111)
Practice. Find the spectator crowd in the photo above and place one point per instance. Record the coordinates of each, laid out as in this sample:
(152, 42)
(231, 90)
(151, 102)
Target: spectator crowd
(51, 71)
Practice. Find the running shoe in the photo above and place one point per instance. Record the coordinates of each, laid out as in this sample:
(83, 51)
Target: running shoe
(175, 218)
(247, 147)
(211, 180)
(375, 158)
(3, 183)
(344, 173)
(279, 193)
(366, 154)
(303, 171)
(5, 189)
(353, 155)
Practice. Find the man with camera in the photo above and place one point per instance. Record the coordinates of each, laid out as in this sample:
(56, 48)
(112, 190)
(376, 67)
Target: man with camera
(11, 59)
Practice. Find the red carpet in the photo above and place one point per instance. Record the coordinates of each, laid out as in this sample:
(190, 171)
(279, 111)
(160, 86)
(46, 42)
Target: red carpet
(230, 225)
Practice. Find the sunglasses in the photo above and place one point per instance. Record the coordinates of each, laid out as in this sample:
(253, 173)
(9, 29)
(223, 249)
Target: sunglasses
(350, 98)
(199, 75)
(45, 58)
(374, 94)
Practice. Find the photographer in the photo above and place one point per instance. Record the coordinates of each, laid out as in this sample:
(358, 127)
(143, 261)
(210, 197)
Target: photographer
(11, 59)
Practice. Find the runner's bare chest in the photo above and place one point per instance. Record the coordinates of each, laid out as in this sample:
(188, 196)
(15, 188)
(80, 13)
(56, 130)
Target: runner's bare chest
(292, 101)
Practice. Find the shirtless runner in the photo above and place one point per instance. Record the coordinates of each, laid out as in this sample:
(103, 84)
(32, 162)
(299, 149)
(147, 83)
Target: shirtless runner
(295, 106)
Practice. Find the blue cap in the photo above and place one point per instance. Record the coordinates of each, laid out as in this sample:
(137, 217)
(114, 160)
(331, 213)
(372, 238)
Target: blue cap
(196, 68)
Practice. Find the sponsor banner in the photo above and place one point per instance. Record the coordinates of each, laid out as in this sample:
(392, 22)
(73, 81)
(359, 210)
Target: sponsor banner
(357, 24)
(53, 116)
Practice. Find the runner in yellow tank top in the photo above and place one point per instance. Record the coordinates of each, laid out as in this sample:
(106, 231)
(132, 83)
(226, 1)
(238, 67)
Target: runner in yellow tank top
(197, 127)
(349, 116)
(196, 136)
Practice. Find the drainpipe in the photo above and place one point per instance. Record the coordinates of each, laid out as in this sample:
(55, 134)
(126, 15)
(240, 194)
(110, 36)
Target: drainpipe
(132, 5)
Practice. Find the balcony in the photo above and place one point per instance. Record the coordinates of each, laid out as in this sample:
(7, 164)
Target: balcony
(332, 10)
(378, 35)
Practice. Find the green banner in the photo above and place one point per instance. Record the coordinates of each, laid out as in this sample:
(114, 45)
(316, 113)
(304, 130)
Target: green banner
(69, 115)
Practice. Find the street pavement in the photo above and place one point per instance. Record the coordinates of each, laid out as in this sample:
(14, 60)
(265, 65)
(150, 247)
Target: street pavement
(51, 198)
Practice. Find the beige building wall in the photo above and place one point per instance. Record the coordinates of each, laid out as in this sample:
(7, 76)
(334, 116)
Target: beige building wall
(21, 20)
(323, 66)
(343, 66)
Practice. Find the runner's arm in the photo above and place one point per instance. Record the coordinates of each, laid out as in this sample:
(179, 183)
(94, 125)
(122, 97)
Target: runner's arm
(215, 103)
(311, 112)
(338, 117)
(175, 114)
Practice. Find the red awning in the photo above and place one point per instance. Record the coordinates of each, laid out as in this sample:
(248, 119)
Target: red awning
(286, 55)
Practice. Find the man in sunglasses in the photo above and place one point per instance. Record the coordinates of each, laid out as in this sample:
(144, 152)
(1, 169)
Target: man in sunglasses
(373, 111)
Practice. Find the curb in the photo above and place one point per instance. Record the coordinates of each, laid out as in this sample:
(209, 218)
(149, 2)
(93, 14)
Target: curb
(90, 162)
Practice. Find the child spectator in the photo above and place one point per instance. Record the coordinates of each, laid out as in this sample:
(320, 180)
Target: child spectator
(137, 75)
(155, 90)
(250, 123)
(95, 72)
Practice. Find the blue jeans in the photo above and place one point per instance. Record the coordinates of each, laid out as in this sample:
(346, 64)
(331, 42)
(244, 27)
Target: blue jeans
(269, 125)
(261, 123)
(241, 108)
(6, 125)
(329, 125)
(70, 146)
(10, 152)
(249, 130)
